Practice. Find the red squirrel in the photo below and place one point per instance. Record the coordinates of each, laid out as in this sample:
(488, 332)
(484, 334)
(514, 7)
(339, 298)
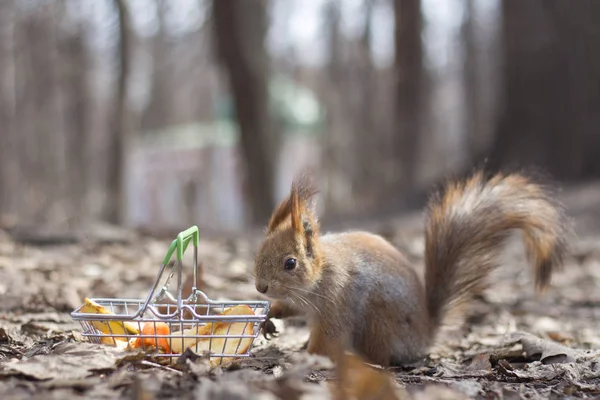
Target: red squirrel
(356, 288)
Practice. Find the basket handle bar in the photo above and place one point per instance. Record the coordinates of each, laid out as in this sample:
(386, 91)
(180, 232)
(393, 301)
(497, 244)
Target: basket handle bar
(178, 246)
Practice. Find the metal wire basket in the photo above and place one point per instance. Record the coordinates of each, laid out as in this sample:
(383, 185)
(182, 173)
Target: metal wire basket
(197, 322)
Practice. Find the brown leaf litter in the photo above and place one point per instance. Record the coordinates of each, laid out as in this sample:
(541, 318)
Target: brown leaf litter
(516, 345)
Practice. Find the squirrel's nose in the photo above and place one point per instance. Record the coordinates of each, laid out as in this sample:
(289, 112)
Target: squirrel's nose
(262, 287)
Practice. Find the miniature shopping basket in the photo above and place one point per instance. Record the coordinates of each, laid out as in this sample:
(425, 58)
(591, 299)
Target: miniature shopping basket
(197, 323)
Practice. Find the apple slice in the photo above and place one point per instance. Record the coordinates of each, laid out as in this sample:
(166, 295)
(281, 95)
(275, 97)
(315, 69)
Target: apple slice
(234, 345)
(218, 345)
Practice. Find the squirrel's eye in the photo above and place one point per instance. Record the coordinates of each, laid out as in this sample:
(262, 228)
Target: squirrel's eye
(290, 263)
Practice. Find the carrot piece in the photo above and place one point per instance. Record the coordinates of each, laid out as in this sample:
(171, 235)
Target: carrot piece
(151, 329)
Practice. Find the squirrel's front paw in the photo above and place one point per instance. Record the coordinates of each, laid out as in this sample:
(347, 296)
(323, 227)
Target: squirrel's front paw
(268, 328)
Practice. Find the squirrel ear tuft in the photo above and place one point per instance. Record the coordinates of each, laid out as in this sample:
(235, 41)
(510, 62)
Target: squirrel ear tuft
(305, 188)
(310, 228)
(298, 205)
(302, 205)
(296, 211)
(279, 215)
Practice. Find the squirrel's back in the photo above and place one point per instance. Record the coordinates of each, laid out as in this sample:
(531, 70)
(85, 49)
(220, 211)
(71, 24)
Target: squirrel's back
(467, 225)
(372, 262)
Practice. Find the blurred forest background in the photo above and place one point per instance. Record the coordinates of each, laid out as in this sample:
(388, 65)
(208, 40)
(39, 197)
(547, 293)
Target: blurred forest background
(161, 114)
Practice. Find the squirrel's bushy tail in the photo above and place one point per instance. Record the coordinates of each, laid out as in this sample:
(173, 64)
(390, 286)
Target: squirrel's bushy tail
(467, 225)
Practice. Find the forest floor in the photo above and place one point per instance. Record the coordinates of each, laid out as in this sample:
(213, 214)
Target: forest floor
(516, 344)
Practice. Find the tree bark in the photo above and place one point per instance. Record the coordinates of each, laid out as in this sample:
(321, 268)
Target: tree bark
(338, 140)
(158, 113)
(116, 206)
(240, 29)
(6, 115)
(75, 61)
(367, 141)
(551, 74)
(409, 60)
(472, 100)
(38, 134)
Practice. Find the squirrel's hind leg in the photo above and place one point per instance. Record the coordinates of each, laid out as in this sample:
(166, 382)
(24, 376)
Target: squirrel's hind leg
(317, 342)
(393, 337)
(320, 343)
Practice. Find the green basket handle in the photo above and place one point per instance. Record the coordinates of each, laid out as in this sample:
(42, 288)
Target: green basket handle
(182, 242)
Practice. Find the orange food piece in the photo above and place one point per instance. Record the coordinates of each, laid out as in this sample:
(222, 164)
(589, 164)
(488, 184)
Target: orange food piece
(152, 329)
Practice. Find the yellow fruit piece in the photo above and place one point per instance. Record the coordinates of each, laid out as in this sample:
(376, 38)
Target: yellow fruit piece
(218, 345)
(109, 340)
(228, 345)
(108, 327)
(120, 343)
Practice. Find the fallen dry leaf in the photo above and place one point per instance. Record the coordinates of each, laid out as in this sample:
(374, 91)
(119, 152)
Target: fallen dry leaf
(67, 361)
(559, 337)
(549, 352)
(480, 362)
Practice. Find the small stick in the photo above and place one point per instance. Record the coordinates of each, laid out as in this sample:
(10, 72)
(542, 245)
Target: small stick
(163, 367)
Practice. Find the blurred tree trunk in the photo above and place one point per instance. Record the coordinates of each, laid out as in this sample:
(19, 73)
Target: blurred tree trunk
(38, 128)
(350, 94)
(76, 63)
(240, 30)
(338, 138)
(367, 136)
(6, 114)
(158, 113)
(551, 73)
(409, 66)
(116, 205)
(472, 101)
